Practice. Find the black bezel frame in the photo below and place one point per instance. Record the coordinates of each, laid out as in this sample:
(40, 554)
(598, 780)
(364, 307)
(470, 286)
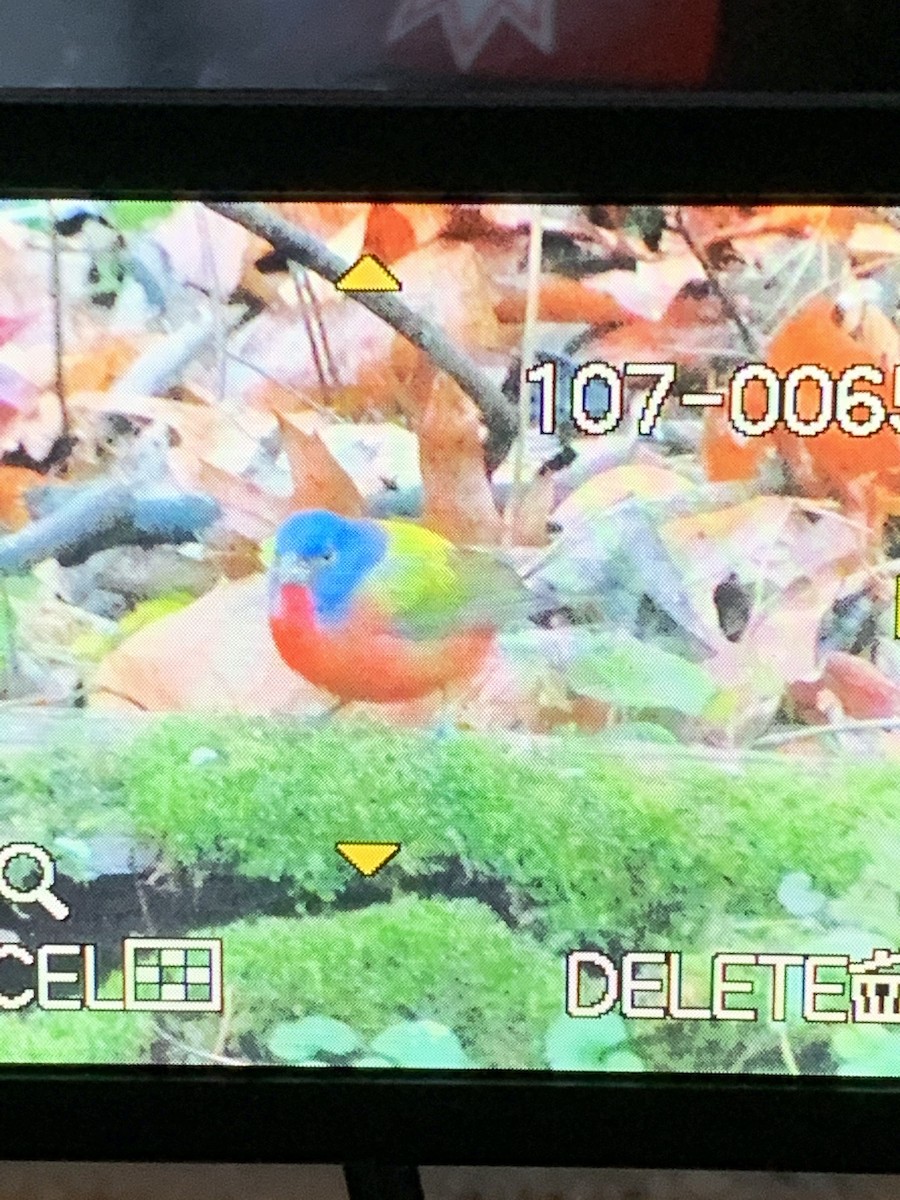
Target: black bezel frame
(639, 148)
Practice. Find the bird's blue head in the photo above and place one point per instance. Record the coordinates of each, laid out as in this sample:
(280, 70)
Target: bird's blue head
(327, 554)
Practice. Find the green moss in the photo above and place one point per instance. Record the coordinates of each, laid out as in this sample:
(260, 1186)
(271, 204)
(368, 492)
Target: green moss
(448, 961)
(75, 1037)
(62, 799)
(588, 841)
(572, 842)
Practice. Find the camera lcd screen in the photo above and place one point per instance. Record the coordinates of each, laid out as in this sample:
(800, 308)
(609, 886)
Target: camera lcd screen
(450, 636)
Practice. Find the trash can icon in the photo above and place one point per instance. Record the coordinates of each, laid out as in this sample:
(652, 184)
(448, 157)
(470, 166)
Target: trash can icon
(875, 993)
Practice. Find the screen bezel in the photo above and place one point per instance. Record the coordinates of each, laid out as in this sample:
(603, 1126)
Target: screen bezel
(636, 148)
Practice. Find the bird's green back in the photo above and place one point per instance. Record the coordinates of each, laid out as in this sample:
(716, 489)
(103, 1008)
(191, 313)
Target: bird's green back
(430, 587)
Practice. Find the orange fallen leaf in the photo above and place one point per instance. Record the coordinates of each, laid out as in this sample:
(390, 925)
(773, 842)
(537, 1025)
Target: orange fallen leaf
(394, 230)
(14, 483)
(825, 220)
(727, 455)
(565, 300)
(389, 234)
(833, 459)
(95, 367)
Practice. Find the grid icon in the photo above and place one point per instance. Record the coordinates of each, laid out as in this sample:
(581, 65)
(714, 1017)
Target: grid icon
(173, 974)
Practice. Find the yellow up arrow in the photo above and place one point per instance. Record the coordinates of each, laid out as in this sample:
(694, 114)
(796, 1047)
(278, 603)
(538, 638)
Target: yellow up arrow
(369, 274)
(368, 857)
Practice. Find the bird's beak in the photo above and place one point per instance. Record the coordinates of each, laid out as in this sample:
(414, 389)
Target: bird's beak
(291, 568)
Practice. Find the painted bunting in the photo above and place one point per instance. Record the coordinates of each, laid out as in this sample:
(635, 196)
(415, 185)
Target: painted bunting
(383, 610)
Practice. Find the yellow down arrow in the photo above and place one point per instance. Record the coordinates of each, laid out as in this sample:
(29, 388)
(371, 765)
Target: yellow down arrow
(368, 857)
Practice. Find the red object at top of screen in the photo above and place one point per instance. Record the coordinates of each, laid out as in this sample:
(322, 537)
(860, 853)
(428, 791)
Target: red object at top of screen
(650, 43)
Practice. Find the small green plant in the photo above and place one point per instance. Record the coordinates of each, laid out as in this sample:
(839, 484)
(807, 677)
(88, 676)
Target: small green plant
(867, 1050)
(322, 1041)
(393, 979)
(590, 1044)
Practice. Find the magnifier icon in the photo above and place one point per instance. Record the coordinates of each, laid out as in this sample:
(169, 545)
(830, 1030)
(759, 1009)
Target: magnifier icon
(40, 893)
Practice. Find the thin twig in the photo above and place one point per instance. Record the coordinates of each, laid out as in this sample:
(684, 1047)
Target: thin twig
(58, 348)
(285, 387)
(862, 725)
(205, 1055)
(712, 275)
(529, 342)
(787, 1053)
(217, 299)
(300, 287)
(320, 325)
(224, 1024)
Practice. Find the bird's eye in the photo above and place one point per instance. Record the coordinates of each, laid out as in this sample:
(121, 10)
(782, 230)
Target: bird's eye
(328, 555)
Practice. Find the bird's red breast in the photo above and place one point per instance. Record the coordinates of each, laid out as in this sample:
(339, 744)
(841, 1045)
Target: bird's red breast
(363, 657)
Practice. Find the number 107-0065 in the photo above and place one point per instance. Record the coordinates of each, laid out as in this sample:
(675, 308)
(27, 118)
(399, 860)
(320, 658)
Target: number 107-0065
(807, 400)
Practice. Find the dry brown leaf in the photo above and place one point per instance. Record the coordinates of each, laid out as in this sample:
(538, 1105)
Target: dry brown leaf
(171, 666)
(35, 431)
(319, 482)
(862, 690)
(776, 538)
(204, 248)
(415, 372)
(650, 289)
(448, 283)
(872, 239)
(323, 218)
(364, 384)
(194, 423)
(880, 336)
(779, 647)
(643, 480)
(457, 496)
(827, 221)
(250, 511)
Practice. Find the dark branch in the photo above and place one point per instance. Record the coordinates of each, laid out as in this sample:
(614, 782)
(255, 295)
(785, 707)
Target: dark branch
(95, 517)
(299, 245)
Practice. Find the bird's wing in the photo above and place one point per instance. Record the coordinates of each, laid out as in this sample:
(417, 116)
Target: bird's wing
(430, 587)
